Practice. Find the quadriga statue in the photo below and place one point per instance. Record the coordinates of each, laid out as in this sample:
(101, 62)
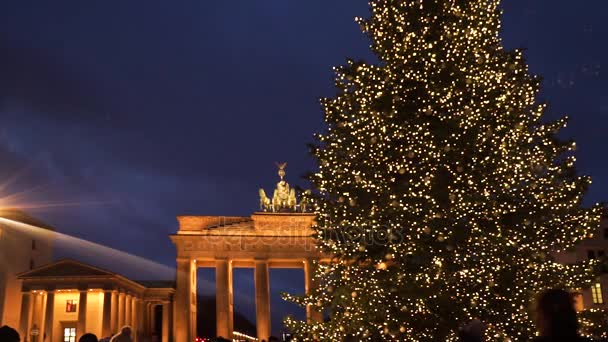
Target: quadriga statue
(283, 198)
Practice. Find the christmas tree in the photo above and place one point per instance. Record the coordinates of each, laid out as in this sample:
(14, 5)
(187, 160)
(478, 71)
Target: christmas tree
(442, 194)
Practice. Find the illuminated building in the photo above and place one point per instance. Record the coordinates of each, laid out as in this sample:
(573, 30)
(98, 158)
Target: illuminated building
(595, 247)
(65, 299)
(19, 252)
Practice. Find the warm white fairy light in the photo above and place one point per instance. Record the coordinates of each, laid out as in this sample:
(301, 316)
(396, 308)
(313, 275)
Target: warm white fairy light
(439, 153)
(239, 336)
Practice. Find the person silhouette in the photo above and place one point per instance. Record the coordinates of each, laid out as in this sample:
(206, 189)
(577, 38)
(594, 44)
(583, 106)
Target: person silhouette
(556, 317)
(8, 334)
(88, 338)
(123, 336)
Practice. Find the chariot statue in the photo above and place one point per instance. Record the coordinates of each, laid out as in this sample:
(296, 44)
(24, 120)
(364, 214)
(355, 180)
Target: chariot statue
(283, 198)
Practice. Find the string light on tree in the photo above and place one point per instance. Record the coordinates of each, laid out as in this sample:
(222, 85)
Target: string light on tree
(441, 193)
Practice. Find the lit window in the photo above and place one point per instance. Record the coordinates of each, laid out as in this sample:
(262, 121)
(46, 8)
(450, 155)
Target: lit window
(579, 304)
(596, 293)
(70, 305)
(69, 334)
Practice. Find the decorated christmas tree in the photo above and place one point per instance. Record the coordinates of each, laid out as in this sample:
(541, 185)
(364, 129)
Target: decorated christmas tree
(442, 193)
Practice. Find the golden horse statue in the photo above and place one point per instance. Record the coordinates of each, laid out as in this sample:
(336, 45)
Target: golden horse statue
(265, 203)
(284, 197)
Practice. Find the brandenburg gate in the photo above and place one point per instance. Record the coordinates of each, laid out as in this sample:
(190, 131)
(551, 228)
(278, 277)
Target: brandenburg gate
(279, 236)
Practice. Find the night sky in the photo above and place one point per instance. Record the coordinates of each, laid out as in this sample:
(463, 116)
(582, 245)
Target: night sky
(138, 111)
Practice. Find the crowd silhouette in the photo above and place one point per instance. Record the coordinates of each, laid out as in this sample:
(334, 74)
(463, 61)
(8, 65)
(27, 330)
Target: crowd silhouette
(8, 334)
(556, 321)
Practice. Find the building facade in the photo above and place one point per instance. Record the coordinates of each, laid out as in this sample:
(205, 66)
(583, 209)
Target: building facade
(63, 300)
(21, 249)
(595, 247)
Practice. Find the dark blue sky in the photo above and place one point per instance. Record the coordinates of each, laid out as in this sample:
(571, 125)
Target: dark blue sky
(143, 110)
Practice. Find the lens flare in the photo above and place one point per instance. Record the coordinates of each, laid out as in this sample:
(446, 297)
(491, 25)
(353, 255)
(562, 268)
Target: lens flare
(25, 199)
(19, 200)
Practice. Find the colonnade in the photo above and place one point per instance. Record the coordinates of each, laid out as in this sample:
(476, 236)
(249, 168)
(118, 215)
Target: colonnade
(185, 298)
(150, 322)
(119, 309)
(262, 241)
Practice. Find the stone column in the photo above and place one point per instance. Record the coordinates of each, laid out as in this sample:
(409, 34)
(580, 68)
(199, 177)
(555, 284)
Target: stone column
(149, 318)
(134, 325)
(128, 306)
(48, 316)
(262, 299)
(121, 311)
(171, 309)
(3, 284)
(166, 316)
(43, 317)
(182, 318)
(223, 298)
(81, 326)
(312, 315)
(26, 309)
(146, 310)
(153, 319)
(141, 326)
(193, 300)
(114, 313)
(106, 320)
(37, 316)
